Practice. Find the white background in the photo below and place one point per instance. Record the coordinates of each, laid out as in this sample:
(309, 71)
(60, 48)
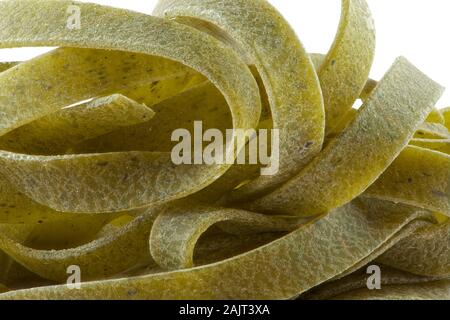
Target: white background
(417, 29)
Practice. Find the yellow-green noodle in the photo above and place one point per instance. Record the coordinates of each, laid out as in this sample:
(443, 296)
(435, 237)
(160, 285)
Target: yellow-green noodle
(87, 178)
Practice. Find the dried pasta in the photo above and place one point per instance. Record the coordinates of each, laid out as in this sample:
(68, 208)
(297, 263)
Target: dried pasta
(88, 180)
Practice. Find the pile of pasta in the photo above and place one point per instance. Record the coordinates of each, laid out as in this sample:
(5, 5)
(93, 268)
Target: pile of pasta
(87, 181)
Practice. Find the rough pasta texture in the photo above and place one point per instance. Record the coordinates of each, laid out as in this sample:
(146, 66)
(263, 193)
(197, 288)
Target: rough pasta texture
(88, 181)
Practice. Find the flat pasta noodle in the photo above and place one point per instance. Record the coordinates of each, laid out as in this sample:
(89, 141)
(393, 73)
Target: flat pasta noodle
(286, 71)
(436, 116)
(16, 208)
(426, 252)
(176, 232)
(437, 290)
(368, 89)
(229, 74)
(388, 244)
(3, 288)
(56, 133)
(179, 111)
(431, 130)
(67, 233)
(358, 280)
(355, 40)
(340, 173)
(418, 177)
(7, 65)
(441, 145)
(216, 246)
(88, 179)
(343, 123)
(104, 256)
(59, 73)
(266, 272)
(344, 71)
(446, 115)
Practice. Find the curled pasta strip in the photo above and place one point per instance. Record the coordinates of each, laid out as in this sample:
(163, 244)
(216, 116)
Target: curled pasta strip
(286, 71)
(436, 290)
(340, 173)
(222, 67)
(104, 256)
(355, 40)
(59, 131)
(432, 131)
(176, 232)
(87, 178)
(446, 115)
(426, 252)
(179, 111)
(418, 177)
(387, 244)
(265, 272)
(358, 281)
(441, 145)
(7, 65)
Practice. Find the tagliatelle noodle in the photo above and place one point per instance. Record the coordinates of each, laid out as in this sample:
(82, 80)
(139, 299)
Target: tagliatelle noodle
(388, 244)
(436, 116)
(287, 74)
(266, 272)
(358, 280)
(446, 115)
(426, 252)
(441, 145)
(59, 72)
(418, 177)
(83, 187)
(430, 130)
(355, 40)
(341, 172)
(87, 177)
(179, 111)
(58, 131)
(176, 232)
(437, 290)
(104, 256)
(7, 65)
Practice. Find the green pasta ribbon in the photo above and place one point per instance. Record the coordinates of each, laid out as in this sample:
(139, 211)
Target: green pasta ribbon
(89, 186)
